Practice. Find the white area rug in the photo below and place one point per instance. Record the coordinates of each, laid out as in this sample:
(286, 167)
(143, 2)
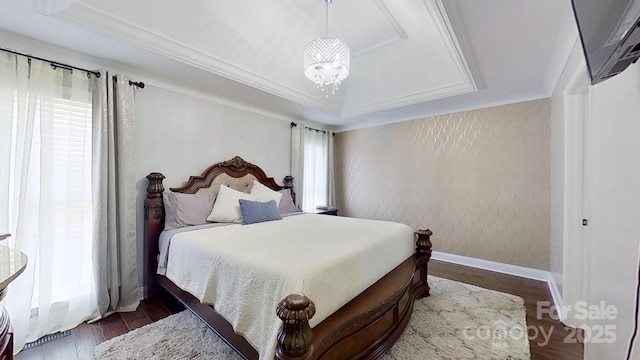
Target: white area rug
(458, 321)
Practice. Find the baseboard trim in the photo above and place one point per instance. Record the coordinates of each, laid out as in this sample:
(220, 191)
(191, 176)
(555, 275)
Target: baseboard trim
(556, 295)
(503, 268)
(516, 270)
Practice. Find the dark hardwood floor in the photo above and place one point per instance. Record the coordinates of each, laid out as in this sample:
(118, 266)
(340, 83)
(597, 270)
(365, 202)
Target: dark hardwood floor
(79, 345)
(83, 339)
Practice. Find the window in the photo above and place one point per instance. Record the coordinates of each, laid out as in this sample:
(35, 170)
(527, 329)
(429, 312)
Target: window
(316, 169)
(59, 159)
(70, 217)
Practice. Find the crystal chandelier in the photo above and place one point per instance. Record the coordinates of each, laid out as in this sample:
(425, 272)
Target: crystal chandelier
(327, 60)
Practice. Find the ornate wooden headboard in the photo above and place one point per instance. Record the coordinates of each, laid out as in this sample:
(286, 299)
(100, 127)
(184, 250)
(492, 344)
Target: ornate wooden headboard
(236, 173)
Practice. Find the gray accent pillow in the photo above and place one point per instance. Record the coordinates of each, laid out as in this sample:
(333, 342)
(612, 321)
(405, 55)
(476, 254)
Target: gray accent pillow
(286, 203)
(255, 211)
(186, 209)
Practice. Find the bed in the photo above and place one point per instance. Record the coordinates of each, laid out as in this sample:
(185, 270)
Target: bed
(363, 326)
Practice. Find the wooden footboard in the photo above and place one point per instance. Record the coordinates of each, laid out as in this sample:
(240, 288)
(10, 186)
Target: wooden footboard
(364, 328)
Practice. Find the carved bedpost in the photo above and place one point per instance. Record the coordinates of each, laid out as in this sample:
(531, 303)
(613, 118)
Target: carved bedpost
(153, 226)
(423, 244)
(294, 337)
(288, 184)
(423, 249)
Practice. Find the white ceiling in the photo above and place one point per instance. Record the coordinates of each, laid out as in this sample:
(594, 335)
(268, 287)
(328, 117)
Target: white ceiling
(410, 58)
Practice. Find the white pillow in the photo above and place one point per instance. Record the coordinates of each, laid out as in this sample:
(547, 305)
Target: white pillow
(264, 194)
(226, 209)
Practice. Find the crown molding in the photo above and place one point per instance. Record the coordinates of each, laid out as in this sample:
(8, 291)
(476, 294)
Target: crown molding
(445, 29)
(386, 14)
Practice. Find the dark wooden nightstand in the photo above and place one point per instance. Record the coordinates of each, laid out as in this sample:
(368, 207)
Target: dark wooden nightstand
(330, 211)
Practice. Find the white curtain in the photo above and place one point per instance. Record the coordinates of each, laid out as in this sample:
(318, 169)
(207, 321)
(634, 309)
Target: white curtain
(317, 186)
(45, 194)
(297, 161)
(114, 227)
(331, 186)
(66, 194)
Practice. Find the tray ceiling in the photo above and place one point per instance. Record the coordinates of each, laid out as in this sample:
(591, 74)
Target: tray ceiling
(410, 58)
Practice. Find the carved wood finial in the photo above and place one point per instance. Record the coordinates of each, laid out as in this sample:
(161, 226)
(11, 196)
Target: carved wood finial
(288, 182)
(423, 244)
(294, 337)
(155, 187)
(237, 163)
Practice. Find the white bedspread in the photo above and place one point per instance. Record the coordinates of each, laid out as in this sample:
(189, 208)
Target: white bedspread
(246, 270)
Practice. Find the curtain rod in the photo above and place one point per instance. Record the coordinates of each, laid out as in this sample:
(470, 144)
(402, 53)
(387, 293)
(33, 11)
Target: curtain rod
(53, 63)
(138, 84)
(310, 128)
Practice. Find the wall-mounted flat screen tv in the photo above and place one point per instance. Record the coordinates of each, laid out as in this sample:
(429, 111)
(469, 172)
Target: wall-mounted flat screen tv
(610, 34)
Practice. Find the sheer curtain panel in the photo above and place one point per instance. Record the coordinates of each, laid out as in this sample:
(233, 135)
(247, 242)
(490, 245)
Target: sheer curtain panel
(317, 186)
(297, 161)
(46, 194)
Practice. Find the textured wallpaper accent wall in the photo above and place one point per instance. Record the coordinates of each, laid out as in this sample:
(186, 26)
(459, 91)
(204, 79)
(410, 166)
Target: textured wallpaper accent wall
(479, 179)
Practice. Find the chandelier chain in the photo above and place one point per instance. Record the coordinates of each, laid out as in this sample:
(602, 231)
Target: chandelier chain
(326, 17)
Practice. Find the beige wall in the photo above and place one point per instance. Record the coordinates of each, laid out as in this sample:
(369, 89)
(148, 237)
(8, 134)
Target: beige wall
(479, 179)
